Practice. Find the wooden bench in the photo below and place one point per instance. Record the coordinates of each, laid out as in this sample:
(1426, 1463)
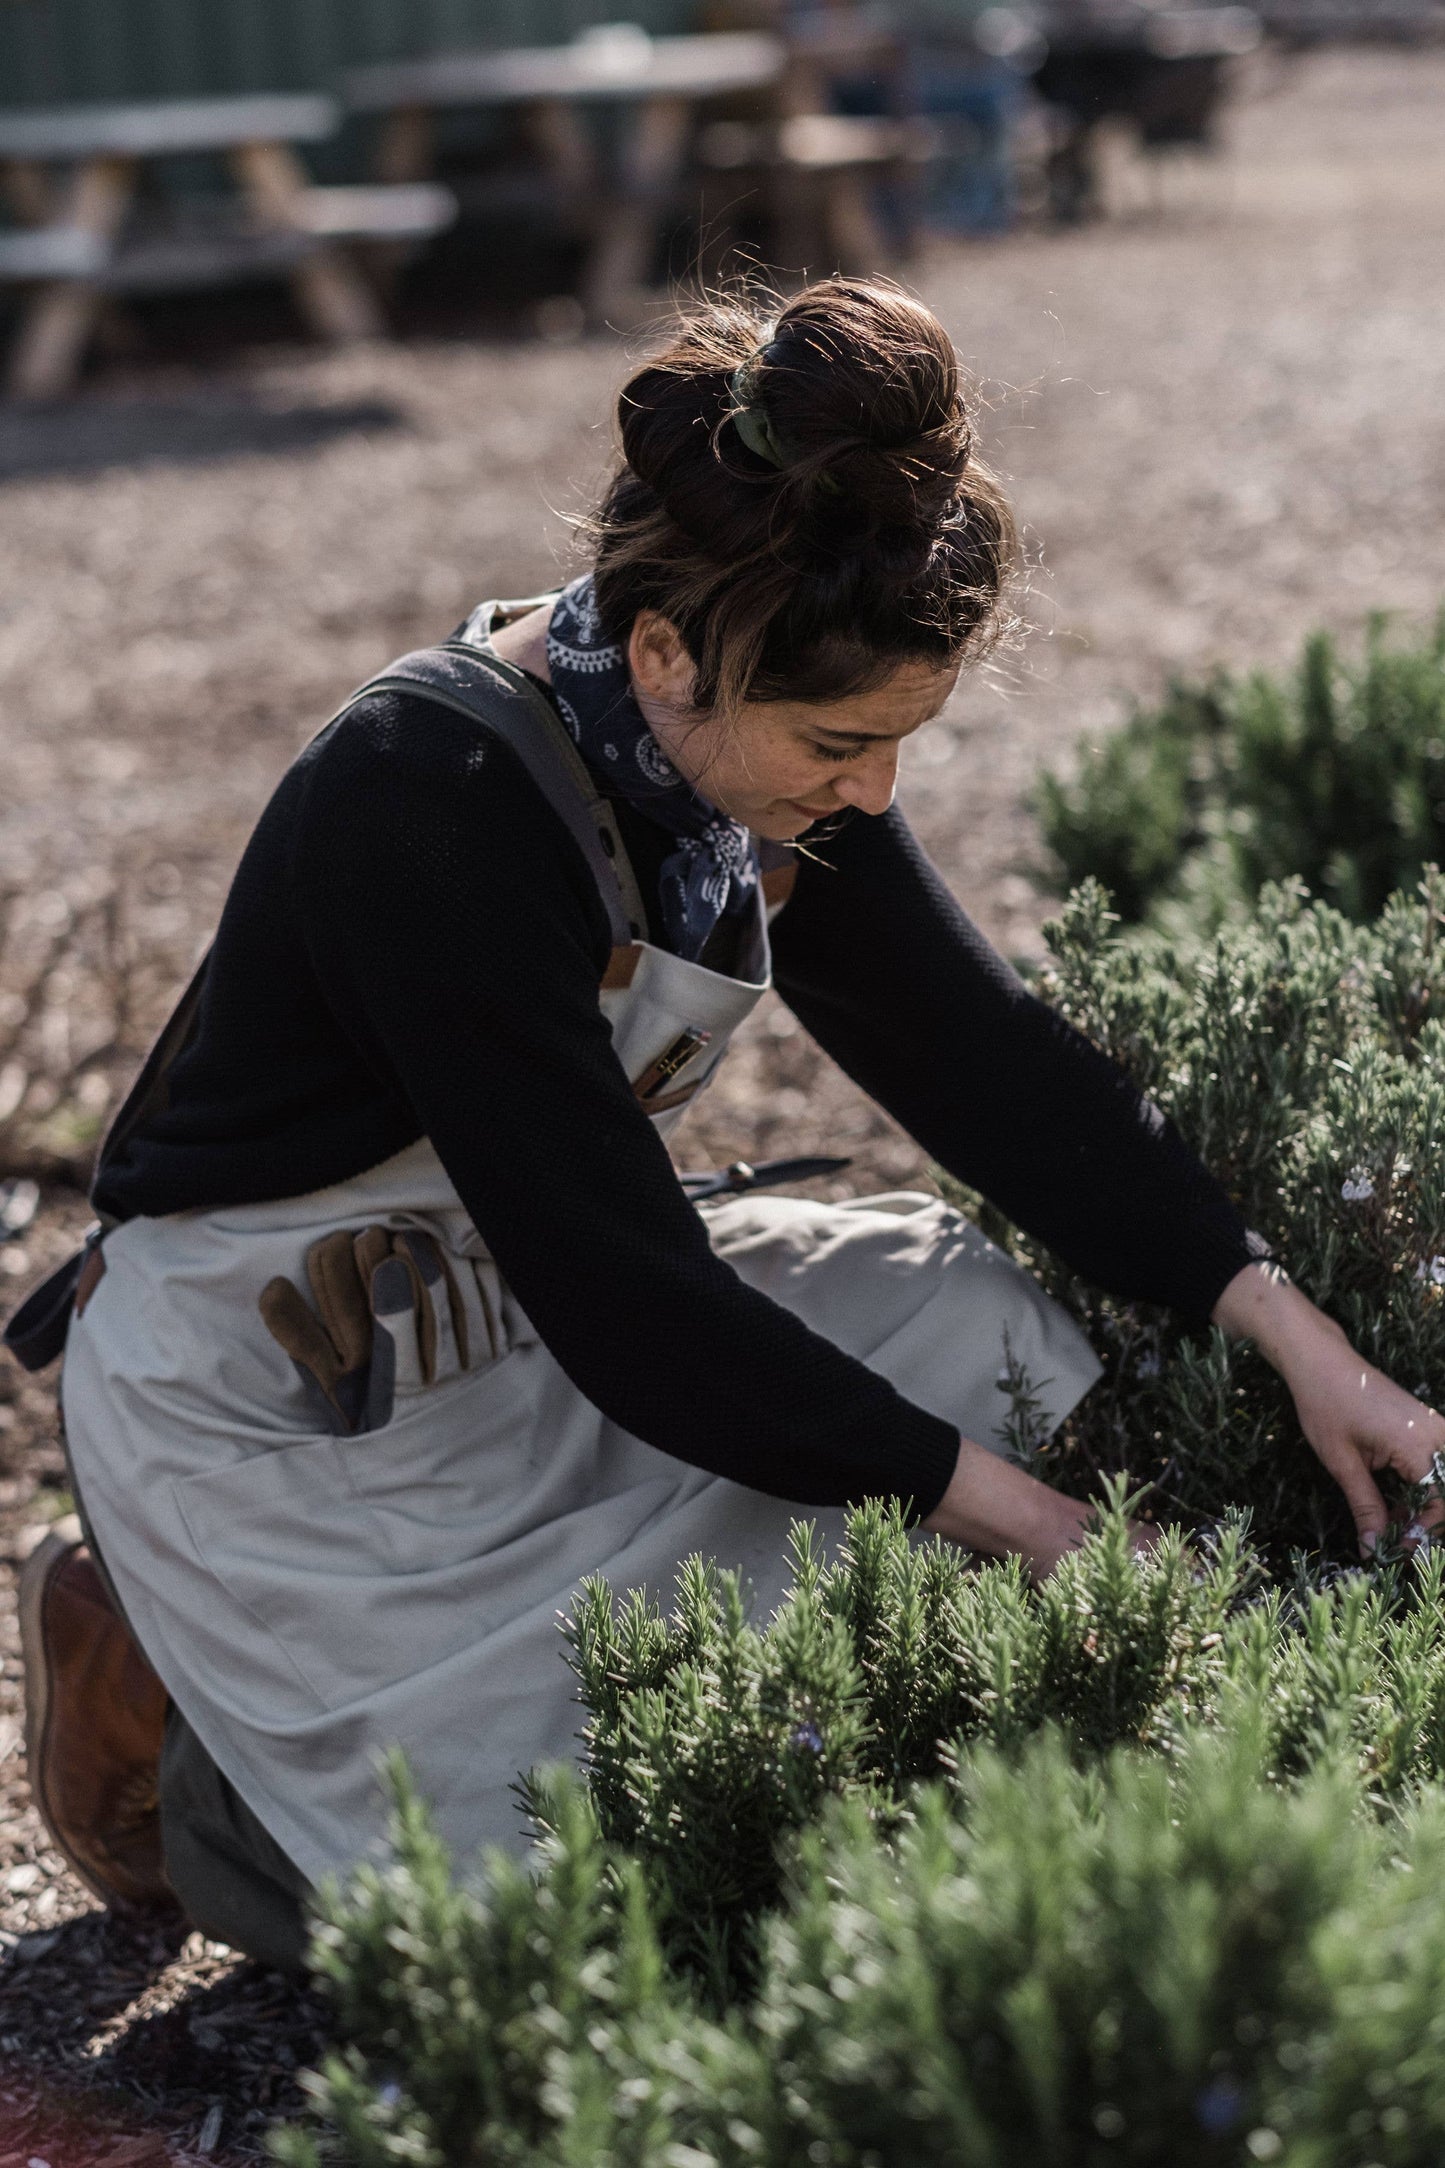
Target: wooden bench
(51, 252)
(815, 172)
(70, 175)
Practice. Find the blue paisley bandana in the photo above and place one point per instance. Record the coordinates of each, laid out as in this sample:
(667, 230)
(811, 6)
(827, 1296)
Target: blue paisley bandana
(714, 869)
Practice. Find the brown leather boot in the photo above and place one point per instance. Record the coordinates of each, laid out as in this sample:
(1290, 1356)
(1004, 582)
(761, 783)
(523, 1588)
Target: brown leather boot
(94, 1721)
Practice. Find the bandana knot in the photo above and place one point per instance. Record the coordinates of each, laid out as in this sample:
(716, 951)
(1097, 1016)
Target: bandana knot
(713, 869)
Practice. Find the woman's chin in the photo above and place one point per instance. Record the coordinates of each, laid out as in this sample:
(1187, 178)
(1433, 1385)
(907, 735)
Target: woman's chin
(783, 823)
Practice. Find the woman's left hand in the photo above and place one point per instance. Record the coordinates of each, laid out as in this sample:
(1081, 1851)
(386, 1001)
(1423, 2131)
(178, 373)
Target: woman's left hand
(1357, 1420)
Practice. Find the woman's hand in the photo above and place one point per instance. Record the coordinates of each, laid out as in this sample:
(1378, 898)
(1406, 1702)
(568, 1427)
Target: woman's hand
(992, 1505)
(1357, 1421)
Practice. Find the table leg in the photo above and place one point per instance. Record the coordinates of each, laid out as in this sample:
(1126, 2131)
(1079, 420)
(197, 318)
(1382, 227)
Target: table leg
(622, 252)
(405, 154)
(857, 240)
(405, 145)
(28, 191)
(333, 296)
(60, 318)
(560, 135)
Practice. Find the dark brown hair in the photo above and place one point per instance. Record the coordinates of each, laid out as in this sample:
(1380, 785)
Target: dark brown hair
(879, 539)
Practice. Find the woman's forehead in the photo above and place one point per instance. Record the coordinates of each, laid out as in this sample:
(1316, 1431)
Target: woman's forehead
(912, 695)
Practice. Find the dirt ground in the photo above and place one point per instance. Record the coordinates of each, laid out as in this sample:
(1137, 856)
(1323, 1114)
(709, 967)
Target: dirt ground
(1222, 415)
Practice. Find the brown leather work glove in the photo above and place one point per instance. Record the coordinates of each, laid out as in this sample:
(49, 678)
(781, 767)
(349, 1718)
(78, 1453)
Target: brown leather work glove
(388, 1318)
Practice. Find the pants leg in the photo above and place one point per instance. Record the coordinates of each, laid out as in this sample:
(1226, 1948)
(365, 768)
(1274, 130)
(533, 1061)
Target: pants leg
(232, 1878)
(913, 1289)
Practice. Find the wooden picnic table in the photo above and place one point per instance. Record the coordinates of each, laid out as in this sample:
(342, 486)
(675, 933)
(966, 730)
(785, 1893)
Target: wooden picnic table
(663, 79)
(71, 176)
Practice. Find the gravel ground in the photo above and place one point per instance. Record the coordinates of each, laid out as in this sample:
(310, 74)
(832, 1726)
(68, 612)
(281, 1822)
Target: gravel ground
(1221, 415)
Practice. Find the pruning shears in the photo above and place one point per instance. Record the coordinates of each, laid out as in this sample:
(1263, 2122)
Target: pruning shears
(736, 1180)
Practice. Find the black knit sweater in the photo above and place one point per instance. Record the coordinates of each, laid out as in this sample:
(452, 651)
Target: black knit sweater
(412, 946)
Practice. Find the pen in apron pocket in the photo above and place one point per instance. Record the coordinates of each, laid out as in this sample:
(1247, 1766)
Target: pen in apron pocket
(676, 1057)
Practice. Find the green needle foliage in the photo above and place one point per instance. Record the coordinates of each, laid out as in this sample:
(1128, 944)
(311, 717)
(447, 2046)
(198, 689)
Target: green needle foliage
(1335, 776)
(1172, 1894)
(937, 1869)
(1304, 1056)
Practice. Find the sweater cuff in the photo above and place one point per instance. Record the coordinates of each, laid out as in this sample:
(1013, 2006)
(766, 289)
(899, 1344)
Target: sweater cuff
(1223, 1248)
(918, 1468)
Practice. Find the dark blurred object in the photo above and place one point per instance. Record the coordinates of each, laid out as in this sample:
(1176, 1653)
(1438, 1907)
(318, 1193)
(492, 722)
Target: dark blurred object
(1163, 71)
(1166, 72)
(969, 65)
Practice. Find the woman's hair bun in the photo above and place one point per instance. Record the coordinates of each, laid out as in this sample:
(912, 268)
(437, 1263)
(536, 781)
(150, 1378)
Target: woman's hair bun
(801, 497)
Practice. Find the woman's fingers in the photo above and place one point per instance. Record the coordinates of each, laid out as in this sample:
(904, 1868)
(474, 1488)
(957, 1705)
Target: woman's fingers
(1362, 1493)
(1371, 1426)
(1406, 1437)
(1353, 1415)
(1361, 1424)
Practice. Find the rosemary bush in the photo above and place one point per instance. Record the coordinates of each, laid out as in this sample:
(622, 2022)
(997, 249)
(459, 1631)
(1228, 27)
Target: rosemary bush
(1335, 775)
(712, 1742)
(1304, 1056)
(935, 1869)
(1171, 1893)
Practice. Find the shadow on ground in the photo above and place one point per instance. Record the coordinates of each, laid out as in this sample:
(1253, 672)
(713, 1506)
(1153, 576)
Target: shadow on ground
(90, 434)
(103, 2019)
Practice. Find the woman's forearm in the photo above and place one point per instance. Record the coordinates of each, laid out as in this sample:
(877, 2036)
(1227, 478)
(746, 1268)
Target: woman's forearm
(1262, 1304)
(992, 1506)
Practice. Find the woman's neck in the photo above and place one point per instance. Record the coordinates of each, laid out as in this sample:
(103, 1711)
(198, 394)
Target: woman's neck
(524, 642)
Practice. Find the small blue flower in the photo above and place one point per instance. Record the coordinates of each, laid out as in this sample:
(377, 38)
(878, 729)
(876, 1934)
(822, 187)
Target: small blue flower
(1219, 2107)
(807, 1737)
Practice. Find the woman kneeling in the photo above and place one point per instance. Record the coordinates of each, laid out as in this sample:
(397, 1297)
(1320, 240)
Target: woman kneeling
(402, 1323)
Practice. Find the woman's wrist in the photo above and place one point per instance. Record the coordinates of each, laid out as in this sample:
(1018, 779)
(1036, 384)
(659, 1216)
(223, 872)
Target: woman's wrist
(1261, 1303)
(992, 1505)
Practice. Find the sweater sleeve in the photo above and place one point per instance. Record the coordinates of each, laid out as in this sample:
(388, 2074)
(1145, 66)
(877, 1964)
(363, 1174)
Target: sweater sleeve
(453, 925)
(877, 959)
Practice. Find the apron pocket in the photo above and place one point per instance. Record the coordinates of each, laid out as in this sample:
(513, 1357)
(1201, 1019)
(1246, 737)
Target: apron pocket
(363, 1558)
(295, 1549)
(448, 1476)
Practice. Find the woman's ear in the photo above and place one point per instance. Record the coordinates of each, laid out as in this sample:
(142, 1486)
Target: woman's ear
(662, 669)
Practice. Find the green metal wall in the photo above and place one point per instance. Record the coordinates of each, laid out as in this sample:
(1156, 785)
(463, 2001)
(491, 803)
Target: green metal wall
(61, 51)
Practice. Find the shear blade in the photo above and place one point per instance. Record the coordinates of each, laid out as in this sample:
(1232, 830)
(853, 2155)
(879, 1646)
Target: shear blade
(741, 1177)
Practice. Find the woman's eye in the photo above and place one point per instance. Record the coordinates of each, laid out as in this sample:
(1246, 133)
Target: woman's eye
(835, 753)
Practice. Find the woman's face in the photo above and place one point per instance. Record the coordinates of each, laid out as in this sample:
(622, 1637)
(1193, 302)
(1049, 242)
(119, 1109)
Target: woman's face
(780, 765)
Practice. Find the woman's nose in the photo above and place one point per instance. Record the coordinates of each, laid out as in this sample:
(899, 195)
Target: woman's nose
(870, 783)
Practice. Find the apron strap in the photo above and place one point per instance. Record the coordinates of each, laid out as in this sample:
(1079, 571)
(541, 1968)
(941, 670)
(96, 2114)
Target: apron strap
(503, 699)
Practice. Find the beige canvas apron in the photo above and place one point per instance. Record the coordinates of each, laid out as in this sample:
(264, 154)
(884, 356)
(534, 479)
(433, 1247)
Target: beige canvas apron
(311, 1601)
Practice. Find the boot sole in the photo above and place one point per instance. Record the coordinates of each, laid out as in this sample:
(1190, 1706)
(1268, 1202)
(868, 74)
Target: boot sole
(34, 1575)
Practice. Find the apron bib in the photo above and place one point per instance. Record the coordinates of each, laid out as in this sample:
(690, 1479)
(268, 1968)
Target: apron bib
(313, 1601)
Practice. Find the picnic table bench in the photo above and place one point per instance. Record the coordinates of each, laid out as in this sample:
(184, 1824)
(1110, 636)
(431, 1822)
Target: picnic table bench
(71, 176)
(816, 171)
(622, 194)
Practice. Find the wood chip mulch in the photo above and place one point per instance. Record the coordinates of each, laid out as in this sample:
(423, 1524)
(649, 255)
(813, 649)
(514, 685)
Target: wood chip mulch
(120, 2045)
